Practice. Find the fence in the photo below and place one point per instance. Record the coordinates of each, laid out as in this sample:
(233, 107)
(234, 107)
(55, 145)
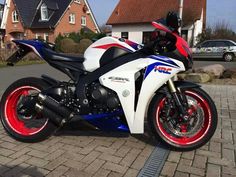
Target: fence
(5, 53)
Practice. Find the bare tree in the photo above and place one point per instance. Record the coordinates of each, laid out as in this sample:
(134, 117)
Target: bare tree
(221, 30)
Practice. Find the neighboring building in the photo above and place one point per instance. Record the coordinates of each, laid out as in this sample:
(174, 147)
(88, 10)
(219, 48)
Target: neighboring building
(45, 19)
(2, 31)
(132, 18)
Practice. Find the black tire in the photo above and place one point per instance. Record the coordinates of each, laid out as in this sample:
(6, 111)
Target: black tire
(228, 57)
(204, 138)
(43, 133)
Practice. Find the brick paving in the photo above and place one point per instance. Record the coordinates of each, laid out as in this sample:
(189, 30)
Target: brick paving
(85, 153)
(75, 153)
(218, 157)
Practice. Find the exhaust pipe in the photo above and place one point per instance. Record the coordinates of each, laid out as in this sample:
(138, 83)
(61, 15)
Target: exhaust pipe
(55, 118)
(54, 105)
(52, 109)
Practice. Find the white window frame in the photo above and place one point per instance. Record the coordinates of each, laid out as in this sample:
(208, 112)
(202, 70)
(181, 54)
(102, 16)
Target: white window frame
(72, 18)
(15, 17)
(77, 1)
(44, 12)
(45, 35)
(37, 36)
(83, 21)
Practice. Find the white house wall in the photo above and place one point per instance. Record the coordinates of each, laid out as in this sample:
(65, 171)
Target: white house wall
(5, 14)
(198, 27)
(135, 31)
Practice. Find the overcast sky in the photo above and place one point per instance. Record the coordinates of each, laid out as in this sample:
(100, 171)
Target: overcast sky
(216, 11)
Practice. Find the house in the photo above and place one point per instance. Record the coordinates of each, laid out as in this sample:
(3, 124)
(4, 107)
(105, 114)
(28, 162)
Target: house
(132, 19)
(45, 19)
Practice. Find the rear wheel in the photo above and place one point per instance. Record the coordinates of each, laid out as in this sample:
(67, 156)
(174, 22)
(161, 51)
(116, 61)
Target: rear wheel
(175, 130)
(18, 114)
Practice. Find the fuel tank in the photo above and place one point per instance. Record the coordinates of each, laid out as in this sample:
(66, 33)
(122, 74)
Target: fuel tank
(95, 52)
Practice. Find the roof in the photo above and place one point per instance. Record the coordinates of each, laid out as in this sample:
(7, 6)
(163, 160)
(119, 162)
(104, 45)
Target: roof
(26, 10)
(30, 13)
(56, 9)
(146, 11)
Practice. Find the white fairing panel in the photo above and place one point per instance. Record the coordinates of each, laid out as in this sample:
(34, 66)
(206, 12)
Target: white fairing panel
(122, 81)
(94, 53)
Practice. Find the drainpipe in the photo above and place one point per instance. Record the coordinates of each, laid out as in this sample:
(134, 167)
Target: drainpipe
(181, 5)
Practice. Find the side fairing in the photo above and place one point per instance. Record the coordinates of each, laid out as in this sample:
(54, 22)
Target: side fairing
(122, 81)
(94, 53)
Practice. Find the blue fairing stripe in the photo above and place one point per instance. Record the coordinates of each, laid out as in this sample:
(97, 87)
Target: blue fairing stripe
(37, 45)
(164, 59)
(107, 121)
(167, 62)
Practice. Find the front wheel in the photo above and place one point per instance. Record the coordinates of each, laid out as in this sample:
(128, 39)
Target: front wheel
(228, 57)
(18, 114)
(176, 131)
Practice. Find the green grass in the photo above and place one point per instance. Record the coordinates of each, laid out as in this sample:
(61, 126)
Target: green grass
(22, 63)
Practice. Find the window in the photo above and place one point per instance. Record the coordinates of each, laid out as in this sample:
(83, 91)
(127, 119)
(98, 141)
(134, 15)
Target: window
(38, 36)
(229, 43)
(72, 18)
(15, 17)
(46, 37)
(44, 12)
(147, 37)
(83, 21)
(77, 1)
(220, 44)
(125, 35)
(205, 44)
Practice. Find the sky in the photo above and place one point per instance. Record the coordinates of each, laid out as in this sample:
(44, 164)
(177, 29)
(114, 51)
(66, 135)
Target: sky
(217, 10)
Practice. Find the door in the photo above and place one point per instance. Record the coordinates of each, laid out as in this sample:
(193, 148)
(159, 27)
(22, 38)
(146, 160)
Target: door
(219, 49)
(201, 50)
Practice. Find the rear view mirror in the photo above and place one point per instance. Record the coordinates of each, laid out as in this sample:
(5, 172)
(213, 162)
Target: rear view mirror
(173, 20)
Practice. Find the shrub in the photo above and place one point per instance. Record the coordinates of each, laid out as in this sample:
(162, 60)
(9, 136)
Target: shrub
(75, 37)
(58, 42)
(68, 46)
(85, 36)
(83, 45)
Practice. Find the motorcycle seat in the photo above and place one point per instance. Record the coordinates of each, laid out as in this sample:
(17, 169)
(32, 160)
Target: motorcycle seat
(52, 55)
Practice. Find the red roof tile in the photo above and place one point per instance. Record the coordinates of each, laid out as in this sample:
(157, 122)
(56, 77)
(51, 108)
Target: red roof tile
(145, 11)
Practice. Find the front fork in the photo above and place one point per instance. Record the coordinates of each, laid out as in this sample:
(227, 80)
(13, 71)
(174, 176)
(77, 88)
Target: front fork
(177, 98)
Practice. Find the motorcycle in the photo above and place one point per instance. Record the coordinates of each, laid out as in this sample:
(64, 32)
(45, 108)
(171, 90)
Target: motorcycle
(113, 87)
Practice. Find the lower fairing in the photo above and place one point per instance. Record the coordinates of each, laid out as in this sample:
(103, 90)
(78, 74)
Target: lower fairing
(122, 80)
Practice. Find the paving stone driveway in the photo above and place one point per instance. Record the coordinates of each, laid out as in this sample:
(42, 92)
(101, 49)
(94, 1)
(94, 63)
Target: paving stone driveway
(81, 153)
(218, 157)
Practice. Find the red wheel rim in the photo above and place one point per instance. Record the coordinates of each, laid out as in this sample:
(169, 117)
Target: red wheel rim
(183, 141)
(11, 115)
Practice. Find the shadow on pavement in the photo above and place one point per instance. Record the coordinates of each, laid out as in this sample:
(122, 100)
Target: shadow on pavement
(81, 128)
(19, 171)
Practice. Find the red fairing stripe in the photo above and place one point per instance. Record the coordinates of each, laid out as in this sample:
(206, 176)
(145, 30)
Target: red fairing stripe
(107, 46)
(161, 27)
(180, 43)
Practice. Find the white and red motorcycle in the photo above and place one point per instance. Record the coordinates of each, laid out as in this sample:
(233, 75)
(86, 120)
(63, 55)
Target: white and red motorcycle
(114, 87)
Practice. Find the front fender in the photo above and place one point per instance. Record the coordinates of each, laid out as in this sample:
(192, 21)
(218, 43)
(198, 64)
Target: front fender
(186, 84)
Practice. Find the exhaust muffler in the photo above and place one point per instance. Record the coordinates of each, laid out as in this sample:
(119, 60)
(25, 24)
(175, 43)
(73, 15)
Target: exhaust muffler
(52, 109)
(55, 118)
(54, 105)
